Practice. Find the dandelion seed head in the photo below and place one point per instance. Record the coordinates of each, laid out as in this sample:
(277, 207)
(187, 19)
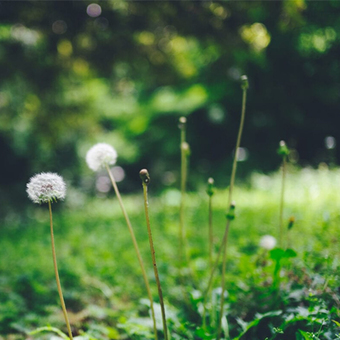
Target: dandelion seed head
(46, 187)
(268, 242)
(100, 155)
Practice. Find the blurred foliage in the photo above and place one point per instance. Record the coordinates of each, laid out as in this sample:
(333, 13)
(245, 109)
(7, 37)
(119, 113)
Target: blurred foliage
(75, 73)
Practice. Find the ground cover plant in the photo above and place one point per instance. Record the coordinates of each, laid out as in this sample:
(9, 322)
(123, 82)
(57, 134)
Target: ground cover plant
(104, 290)
(255, 292)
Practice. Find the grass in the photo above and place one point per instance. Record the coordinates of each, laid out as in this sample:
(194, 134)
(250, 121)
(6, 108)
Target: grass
(102, 282)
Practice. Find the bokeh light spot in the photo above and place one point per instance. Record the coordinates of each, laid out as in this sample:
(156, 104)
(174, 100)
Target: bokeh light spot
(256, 36)
(330, 142)
(103, 184)
(118, 173)
(94, 10)
(59, 27)
(101, 23)
(242, 154)
(65, 48)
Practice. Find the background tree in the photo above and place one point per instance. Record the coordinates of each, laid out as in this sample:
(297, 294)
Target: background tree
(75, 72)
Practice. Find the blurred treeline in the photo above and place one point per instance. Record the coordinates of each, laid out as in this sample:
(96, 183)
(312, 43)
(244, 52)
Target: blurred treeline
(74, 73)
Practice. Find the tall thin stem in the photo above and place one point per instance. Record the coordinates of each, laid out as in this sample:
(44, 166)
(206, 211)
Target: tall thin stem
(231, 207)
(136, 248)
(284, 165)
(238, 142)
(146, 180)
(211, 235)
(224, 260)
(184, 151)
(244, 86)
(57, 275)
(283, 151)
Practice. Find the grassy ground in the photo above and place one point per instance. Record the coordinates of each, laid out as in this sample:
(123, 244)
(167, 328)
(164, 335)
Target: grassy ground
(102, 282)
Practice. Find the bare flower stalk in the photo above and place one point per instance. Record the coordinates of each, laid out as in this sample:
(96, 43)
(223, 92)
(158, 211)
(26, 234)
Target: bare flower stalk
(145, 181)
(284, 164)
(184, 153)
(210, 192)
(230, 214)
(136, 248)
(283, 151)
(57, 275)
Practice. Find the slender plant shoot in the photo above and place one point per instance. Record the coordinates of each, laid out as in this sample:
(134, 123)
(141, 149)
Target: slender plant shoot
(230, 217)
(231, 206)
(244, 87)
(185, 151)
(210, 192)
(100, 156)
(283, 151)
(46, 188)
(144, 175)
(289, 228)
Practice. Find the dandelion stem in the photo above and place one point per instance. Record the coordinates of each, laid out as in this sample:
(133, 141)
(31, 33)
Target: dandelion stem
(224, 260)
(182, 249)
(146, 180)
(244, 86)
(211, 237)
(57, 275)
(115, 187)
(284, 166)
(231, 207)
(214, 267)
(238, 141)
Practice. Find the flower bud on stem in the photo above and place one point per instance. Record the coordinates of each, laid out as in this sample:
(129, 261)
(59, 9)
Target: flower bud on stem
(210, 192)
(231, 206)
(144, 175)
(185, 152)
(136, 248)
(283, 151)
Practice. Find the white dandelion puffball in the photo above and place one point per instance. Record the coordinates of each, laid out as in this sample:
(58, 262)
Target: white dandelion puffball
(268, 242)
(100, 155)
(46, 187)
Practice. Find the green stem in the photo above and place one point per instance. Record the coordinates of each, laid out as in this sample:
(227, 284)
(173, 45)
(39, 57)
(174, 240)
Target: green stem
(152, 249)
(182, 250)
(136, 248)
(211, 236)
(183, 254)
(284, 165)
(223, 282)
(232, 182)
(238, 142)
(214, 267)
(57, 275)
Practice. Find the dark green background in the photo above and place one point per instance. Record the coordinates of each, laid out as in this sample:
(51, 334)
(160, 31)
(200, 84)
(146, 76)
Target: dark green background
(126, 77)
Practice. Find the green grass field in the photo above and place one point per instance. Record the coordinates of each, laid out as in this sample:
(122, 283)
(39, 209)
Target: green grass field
(102, 282)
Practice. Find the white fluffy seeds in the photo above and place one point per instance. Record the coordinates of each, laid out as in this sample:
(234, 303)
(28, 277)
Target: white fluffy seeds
(267, 242)
(46, 187)
(100, 155)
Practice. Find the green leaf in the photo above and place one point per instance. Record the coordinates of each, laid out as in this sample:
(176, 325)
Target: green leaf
(290, 253)
(337, 323)
(50, 329)
(306, 335)
(276, 254)
(255, 322)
